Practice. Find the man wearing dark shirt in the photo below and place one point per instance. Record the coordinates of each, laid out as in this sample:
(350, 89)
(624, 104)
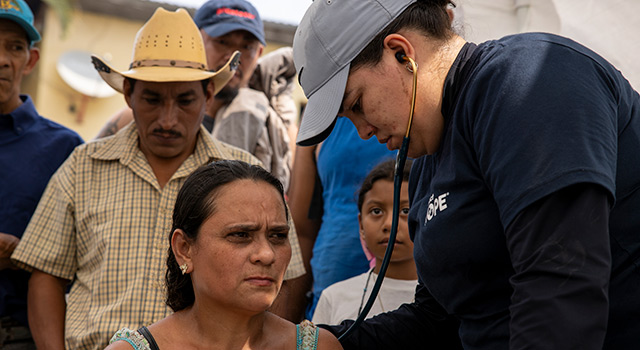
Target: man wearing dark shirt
(31, 149)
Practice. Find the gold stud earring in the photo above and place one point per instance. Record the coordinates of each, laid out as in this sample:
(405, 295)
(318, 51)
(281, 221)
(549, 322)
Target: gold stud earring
(184, 268)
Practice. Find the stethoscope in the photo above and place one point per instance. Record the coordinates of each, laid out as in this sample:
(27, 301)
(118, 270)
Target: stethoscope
(401, 158)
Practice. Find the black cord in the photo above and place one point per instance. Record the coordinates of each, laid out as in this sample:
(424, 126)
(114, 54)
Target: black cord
(364, 292)
(401, 158)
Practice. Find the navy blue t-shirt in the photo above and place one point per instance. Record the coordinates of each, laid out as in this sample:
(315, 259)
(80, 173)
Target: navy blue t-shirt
(534, 114)
(540, 155)
(31, 150)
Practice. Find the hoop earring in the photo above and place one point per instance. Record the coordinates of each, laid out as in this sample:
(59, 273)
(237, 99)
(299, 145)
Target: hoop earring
(184, 268)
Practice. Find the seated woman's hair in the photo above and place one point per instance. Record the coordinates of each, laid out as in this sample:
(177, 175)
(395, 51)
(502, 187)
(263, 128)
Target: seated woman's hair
(382, 171)
(195, 203)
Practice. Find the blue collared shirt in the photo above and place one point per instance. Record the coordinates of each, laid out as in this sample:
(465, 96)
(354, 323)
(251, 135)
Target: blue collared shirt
(31, 150)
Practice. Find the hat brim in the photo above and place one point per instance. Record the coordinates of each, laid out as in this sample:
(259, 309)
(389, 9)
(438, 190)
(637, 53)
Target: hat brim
(220, 29)
(322, 110)
(32, 33)
(115, 78)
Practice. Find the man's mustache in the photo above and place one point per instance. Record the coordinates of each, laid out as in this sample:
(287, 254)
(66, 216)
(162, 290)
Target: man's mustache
(169, 132)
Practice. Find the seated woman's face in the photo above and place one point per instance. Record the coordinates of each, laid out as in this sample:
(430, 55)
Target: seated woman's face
(242, 251)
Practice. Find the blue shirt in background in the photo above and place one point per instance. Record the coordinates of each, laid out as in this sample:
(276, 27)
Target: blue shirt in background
(344, 161)
(31, 150)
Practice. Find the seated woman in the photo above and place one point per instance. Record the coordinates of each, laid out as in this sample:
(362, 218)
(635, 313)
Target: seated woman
(228, 255)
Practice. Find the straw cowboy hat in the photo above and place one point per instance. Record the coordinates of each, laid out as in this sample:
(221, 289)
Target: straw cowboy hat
(168, 48)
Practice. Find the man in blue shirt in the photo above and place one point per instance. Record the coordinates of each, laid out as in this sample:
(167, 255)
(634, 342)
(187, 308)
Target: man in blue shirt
(31, 149)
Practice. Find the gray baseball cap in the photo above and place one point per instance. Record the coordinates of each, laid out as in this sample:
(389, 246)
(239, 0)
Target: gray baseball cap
(330, 35)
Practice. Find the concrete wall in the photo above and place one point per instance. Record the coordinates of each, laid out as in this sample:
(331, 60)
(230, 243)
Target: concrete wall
(105, 36)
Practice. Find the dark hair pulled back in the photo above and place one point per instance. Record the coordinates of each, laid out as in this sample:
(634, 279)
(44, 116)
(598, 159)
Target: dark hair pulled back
(430, 17)
(382, 171)
(194, 204)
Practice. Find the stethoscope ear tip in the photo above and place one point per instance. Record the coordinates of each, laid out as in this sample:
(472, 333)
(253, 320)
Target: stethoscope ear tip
(401, 57)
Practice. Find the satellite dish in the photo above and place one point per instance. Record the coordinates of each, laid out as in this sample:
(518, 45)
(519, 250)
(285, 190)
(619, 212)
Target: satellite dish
(76, 69)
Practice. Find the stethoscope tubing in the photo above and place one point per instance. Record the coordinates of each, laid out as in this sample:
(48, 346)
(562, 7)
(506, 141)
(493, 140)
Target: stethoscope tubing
(398, 176)
(401, 159)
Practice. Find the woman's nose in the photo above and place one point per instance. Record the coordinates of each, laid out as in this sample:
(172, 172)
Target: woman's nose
(264, 253)
(365, 130)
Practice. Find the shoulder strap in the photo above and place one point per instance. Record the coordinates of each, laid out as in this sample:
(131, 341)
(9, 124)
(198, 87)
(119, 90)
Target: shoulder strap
(306, 336)
(147, 335)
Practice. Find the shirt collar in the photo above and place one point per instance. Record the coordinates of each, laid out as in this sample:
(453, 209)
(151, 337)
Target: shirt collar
(24, 116)
(456, 79)
(123, 146)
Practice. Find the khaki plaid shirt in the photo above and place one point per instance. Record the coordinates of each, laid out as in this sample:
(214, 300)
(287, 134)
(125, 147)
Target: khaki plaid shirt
(104, 223)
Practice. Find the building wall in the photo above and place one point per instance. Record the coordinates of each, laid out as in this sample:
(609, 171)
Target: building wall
(105, 36)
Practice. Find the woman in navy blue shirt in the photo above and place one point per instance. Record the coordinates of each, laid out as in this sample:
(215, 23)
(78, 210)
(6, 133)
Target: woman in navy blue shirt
(526, 188)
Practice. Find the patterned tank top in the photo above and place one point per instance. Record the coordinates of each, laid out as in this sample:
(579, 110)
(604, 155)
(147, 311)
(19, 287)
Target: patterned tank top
(306, 337)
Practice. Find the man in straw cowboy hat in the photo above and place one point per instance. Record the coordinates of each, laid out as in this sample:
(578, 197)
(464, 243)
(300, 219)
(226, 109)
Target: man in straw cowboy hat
(105, 216)
(255, 110)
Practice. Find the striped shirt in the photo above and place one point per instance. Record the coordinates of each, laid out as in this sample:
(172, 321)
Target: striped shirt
(104, 223)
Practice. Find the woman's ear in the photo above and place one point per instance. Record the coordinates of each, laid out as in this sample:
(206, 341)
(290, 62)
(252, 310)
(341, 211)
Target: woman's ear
(182, 249)
(396, 43)
(451, 14)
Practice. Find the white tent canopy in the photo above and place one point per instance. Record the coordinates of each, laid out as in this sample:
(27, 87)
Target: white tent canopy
(609, 27)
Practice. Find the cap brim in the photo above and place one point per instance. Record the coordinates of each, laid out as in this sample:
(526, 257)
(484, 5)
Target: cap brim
(166, 74)
(322, 110)
(221, 29)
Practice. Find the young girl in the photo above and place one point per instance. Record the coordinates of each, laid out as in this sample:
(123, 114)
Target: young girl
(345, 300)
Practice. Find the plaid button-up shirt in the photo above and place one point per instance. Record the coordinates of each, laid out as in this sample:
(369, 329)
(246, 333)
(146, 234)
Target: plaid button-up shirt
(104, 223)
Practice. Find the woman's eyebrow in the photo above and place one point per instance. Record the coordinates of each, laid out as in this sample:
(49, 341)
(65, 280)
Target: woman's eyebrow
(242, 227)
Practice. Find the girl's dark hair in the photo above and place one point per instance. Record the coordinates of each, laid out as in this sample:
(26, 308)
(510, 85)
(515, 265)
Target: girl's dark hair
(382, 171)
(427, 16)
(194, 204)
